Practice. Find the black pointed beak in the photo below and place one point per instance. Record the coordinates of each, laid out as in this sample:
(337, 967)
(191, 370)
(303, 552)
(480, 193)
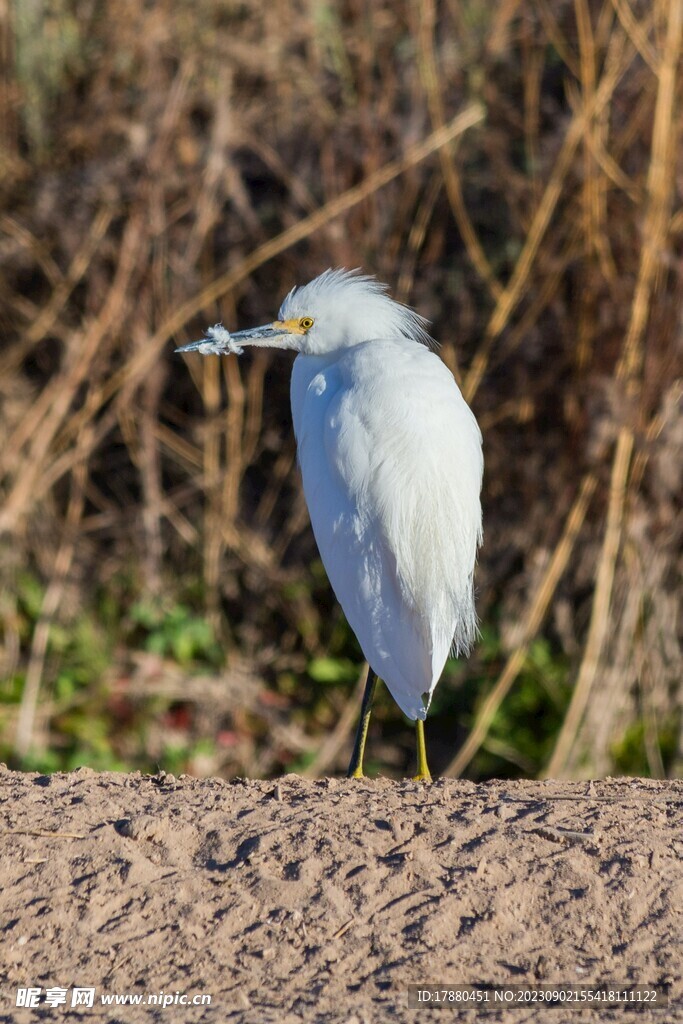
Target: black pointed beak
(219, 341)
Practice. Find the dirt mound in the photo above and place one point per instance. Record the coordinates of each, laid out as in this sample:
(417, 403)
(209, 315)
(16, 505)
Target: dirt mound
(307, 901)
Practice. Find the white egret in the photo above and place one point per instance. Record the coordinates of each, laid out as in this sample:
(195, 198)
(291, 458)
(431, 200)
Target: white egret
(391, 461)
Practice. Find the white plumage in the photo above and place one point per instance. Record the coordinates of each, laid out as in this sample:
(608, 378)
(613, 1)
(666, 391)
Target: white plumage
(391, 461)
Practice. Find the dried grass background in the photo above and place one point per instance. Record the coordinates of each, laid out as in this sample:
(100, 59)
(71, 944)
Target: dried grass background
(512, 170)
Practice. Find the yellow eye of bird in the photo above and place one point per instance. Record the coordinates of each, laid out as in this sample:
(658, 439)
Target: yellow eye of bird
(306, 322)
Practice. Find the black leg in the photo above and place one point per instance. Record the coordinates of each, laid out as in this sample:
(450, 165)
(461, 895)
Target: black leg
(356, 766)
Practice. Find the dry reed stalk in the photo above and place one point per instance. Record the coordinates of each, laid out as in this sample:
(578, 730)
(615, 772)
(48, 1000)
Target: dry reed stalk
(268, 500)
(600, 610)
(150, 475)
(234, 422)
(416, 238)
(254, 410)
(634, 683)
(329, 750)
(410, 196)
(534, 64)
(183, 452)
(594, 193)
(430, 76)
(213, 525)
(63, 288)
(217, 170)
(296, 187)
(636, 34)
(588, 70)
(611, 702)
(656, 224)
(25, 728)
(621, 58)
(546, 292)
(28, 449)
(556, 36)
(654, 430)
(41, 423)
(537, 609)
(606, 162)
(27, 240)
(9, 121)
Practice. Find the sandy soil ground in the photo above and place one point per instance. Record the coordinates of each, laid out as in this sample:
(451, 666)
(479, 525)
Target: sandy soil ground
(322, 901)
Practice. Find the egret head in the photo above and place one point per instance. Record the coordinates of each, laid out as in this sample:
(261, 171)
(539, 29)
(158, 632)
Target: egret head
(336, 310)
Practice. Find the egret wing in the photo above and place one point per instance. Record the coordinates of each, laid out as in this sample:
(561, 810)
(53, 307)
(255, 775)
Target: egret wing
(375, 431)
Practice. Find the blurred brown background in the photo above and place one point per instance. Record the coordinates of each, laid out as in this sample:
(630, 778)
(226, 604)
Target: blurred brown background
(168, 165)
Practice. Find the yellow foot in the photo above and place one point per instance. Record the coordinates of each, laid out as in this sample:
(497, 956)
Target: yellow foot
(358, 774)
(422, 777)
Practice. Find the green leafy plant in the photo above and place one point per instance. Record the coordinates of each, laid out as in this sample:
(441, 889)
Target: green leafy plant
(173, 630)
